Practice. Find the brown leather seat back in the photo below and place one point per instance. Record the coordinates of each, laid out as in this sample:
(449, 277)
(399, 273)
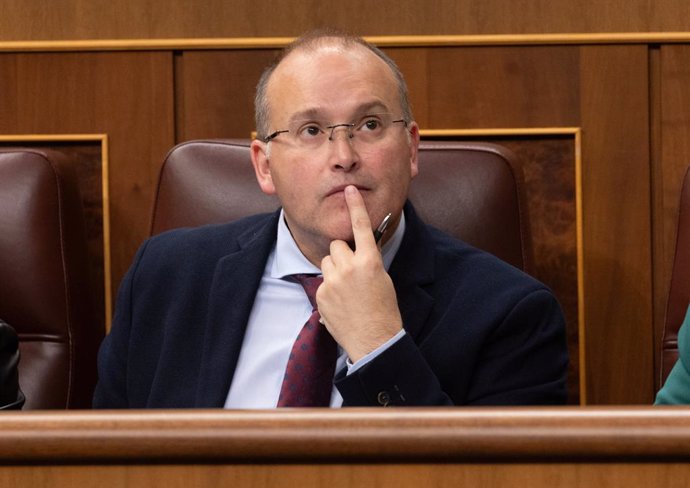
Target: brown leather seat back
(474, 191)
(471, 190)
(207, 182)
(679, 292)
(45, 289)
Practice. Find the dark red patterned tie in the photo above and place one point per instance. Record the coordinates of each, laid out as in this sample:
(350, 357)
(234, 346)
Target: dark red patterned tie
(308, 377)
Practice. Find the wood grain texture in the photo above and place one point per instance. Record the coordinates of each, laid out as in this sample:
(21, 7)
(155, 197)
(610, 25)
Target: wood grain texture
(351, 475)
(449, 88)
(549, 167)
(617, 237)
(347, 435)
(475, 87)
(125, 95)
(121, 19)
(215, 92)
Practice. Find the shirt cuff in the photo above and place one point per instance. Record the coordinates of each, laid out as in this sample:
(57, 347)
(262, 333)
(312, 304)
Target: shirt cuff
(352, 367)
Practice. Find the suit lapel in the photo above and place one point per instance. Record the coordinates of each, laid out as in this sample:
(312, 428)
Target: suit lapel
(235, 283)
(411, 270)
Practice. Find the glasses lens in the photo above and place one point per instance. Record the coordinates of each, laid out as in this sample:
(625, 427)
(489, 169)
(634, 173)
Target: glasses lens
(311, 134)
(372, 128)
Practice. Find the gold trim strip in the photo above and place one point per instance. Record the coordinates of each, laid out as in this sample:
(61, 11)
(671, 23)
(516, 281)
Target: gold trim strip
(52, 137)
(547, 131)
(532, 39)
(579, 216)
(105, 196)
(384, 41)
(105, 189)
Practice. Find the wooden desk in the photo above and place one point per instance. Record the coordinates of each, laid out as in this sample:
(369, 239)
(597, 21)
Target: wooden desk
(587, 447)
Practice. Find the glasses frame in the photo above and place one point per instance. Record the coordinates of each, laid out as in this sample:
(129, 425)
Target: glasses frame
(349, 126)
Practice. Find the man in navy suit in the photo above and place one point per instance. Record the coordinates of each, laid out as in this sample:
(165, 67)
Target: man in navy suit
(207, 317)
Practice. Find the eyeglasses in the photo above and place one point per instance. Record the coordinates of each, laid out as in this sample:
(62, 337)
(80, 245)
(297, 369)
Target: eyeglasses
(312, 134)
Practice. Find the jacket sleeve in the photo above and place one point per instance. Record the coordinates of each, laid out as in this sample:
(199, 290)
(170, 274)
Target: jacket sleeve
(111, 389)
(400, 376)
(676, 389)
(11, 397)
(522, 361)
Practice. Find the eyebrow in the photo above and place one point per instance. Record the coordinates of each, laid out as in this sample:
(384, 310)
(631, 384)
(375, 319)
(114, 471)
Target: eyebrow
(314, 113)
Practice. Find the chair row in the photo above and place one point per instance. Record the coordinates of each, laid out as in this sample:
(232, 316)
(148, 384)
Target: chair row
(474, 191)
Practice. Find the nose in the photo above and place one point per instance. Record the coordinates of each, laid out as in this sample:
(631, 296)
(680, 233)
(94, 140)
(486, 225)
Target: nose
(347, 130)
(343, 153)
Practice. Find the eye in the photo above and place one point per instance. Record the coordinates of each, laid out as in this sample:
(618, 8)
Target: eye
(310, 131)
(370, 124)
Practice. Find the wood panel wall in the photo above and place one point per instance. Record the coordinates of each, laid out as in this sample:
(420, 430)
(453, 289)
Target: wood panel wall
(22, 20)
(628, 100)
(128, 96)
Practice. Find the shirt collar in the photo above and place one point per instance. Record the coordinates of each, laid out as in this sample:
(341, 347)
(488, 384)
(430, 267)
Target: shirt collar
(290, 260)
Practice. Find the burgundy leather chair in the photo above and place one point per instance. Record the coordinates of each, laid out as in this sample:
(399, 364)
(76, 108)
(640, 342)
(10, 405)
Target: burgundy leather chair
(473, 191)
(45, 291)
(679, 292)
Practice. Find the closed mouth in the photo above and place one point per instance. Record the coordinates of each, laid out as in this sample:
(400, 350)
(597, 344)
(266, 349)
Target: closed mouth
(341, 188)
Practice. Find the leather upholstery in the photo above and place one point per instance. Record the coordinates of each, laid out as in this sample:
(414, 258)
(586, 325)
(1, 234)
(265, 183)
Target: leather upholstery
(679, 292)
(45, 291)
(473, 191)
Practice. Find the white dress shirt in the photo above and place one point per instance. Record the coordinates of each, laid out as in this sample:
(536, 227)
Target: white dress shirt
(280, 310)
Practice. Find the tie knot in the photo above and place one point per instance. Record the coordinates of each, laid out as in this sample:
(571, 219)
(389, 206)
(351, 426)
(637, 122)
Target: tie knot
(310, 283)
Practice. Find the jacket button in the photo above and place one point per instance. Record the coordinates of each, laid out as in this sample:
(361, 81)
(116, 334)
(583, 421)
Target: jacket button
(384, 398)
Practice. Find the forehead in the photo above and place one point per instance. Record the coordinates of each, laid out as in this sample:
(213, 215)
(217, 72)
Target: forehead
(329, 81)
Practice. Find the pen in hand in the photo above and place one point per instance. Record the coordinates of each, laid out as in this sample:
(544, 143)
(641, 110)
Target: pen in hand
(378, 233)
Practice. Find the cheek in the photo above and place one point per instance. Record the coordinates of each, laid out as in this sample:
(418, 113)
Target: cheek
(281, 176)
(293, 187)
(397, 171)
(394, 160)
(398, 176)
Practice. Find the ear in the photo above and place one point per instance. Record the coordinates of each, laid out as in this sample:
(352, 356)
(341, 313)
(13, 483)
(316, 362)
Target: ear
(414, 137)
(261, 163)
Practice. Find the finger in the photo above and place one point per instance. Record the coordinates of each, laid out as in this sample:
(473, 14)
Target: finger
(327, 267)
(339, 252)
(359, 217)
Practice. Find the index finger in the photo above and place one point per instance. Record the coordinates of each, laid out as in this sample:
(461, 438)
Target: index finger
(359, 217)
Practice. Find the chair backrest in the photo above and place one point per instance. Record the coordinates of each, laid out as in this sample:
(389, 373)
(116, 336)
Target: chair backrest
(473, 191)
(45, 291)
(679, 292)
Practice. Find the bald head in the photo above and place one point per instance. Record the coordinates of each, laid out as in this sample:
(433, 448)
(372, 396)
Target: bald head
(313, 43)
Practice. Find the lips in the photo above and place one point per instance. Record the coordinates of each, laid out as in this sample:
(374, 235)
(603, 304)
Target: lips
(341, 188)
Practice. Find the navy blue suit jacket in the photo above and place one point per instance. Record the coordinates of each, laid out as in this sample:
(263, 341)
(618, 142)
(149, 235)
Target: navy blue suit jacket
(479, 332)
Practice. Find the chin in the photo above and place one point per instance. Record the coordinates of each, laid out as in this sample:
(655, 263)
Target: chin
(344, 236)
(341, 233)
(339, 226)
